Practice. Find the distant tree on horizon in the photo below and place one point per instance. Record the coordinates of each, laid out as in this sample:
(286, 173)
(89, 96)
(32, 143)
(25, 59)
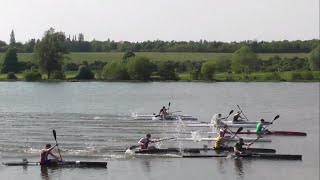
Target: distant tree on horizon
(314, 59)
(12, 39)
(244, 60)
(50, 51)
(10, 62)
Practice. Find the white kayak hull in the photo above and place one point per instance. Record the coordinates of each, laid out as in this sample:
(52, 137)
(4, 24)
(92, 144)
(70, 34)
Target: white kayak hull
(171, 117)
(234, 139)
(221, 125)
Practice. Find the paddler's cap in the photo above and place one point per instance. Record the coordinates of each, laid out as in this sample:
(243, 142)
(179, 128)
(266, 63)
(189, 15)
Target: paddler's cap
(148, 135)
(262, 120)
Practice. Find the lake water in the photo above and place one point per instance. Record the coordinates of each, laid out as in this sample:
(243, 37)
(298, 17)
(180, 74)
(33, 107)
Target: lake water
(92, 120)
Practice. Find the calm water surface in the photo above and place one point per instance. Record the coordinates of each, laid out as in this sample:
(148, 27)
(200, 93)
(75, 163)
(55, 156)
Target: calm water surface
(92, 120)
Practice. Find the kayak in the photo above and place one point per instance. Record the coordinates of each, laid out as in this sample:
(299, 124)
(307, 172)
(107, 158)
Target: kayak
(165, 150)
(258, 156)
(243, 122)
(221, 125)
(174, 118)
(170, 117)
(278, 133)
(59, 164)
(198, 150)
(233, 139)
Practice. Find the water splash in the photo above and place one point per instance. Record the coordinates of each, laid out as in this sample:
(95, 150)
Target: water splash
(195, 135)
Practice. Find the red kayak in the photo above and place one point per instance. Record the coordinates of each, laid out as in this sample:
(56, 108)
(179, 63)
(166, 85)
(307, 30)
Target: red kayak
(278, 133)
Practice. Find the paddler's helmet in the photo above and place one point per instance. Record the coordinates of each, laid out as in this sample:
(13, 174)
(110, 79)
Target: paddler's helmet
(148, 135)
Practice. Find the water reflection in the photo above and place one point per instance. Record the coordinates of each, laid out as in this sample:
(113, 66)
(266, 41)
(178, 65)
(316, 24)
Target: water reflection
(44, 173)
(221, 166)
(147, 166)
(239, 168)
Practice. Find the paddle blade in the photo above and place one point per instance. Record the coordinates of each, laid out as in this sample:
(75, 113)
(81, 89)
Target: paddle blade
(230, 112)
(239, 130)
(54, 134)
(133, 147)
(276, 117)
(169, 104)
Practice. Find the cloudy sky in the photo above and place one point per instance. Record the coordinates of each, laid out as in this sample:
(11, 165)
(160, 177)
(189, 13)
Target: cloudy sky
(180, 20)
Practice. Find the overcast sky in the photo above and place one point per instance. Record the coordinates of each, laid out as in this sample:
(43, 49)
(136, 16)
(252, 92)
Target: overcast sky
(180, 20)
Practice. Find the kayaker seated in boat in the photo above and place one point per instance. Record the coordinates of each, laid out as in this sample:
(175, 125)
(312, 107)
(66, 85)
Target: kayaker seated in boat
(259, 128)
(238, 150)
(46, 152)
(163, 111)
(220, 140)
(144, 142)
(237, 116)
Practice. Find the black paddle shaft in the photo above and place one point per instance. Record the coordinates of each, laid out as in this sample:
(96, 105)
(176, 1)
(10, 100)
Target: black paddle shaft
(55, 138)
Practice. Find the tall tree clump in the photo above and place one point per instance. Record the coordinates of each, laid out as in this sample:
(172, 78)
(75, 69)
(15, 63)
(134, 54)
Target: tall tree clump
(244, 60)
(314, 59)
(207, 70)
(84, 73)
(139, 68)
(12, 39)
(50, 52)
(167, 71)
(10, 62)
(115, 71)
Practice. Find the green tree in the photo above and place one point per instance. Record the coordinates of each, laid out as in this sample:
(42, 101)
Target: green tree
(84, 73)
(207, 70)
(167, 71)
(12, 39)
(244, 60)
(314, 59)
(139, 68)
(127, 55)
(115, 71)
(50, 52)
(10, 62)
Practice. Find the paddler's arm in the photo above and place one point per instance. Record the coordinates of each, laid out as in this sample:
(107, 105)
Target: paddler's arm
(140, 143)
(50, 149)
(55, 157)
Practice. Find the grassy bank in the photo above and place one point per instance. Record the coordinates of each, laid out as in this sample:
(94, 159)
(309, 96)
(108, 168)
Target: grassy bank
(153, 56)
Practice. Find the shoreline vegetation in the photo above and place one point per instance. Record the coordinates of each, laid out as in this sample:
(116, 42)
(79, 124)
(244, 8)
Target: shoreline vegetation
(288, 76)
(58, 58)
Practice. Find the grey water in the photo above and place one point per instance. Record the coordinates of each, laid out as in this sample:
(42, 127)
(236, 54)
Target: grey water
(93, 123)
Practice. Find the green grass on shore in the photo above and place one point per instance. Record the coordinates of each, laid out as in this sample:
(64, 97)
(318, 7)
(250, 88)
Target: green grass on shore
(153, 56)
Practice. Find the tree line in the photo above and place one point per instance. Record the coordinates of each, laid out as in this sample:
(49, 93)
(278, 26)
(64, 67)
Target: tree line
(50, 51)
(78, 44)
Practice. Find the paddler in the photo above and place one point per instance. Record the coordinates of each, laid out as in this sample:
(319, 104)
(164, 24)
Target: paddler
(237, 116)
(220, 140)
(144, 142)
(238, 147)
(163, 111)
(46, 152)
(259, 128)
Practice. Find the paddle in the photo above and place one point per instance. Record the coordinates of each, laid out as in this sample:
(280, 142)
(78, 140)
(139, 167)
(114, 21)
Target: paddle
(260, 136)
(242, 112)
(228, 115)
(235, 134)
(135, 146)
(55, 137)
